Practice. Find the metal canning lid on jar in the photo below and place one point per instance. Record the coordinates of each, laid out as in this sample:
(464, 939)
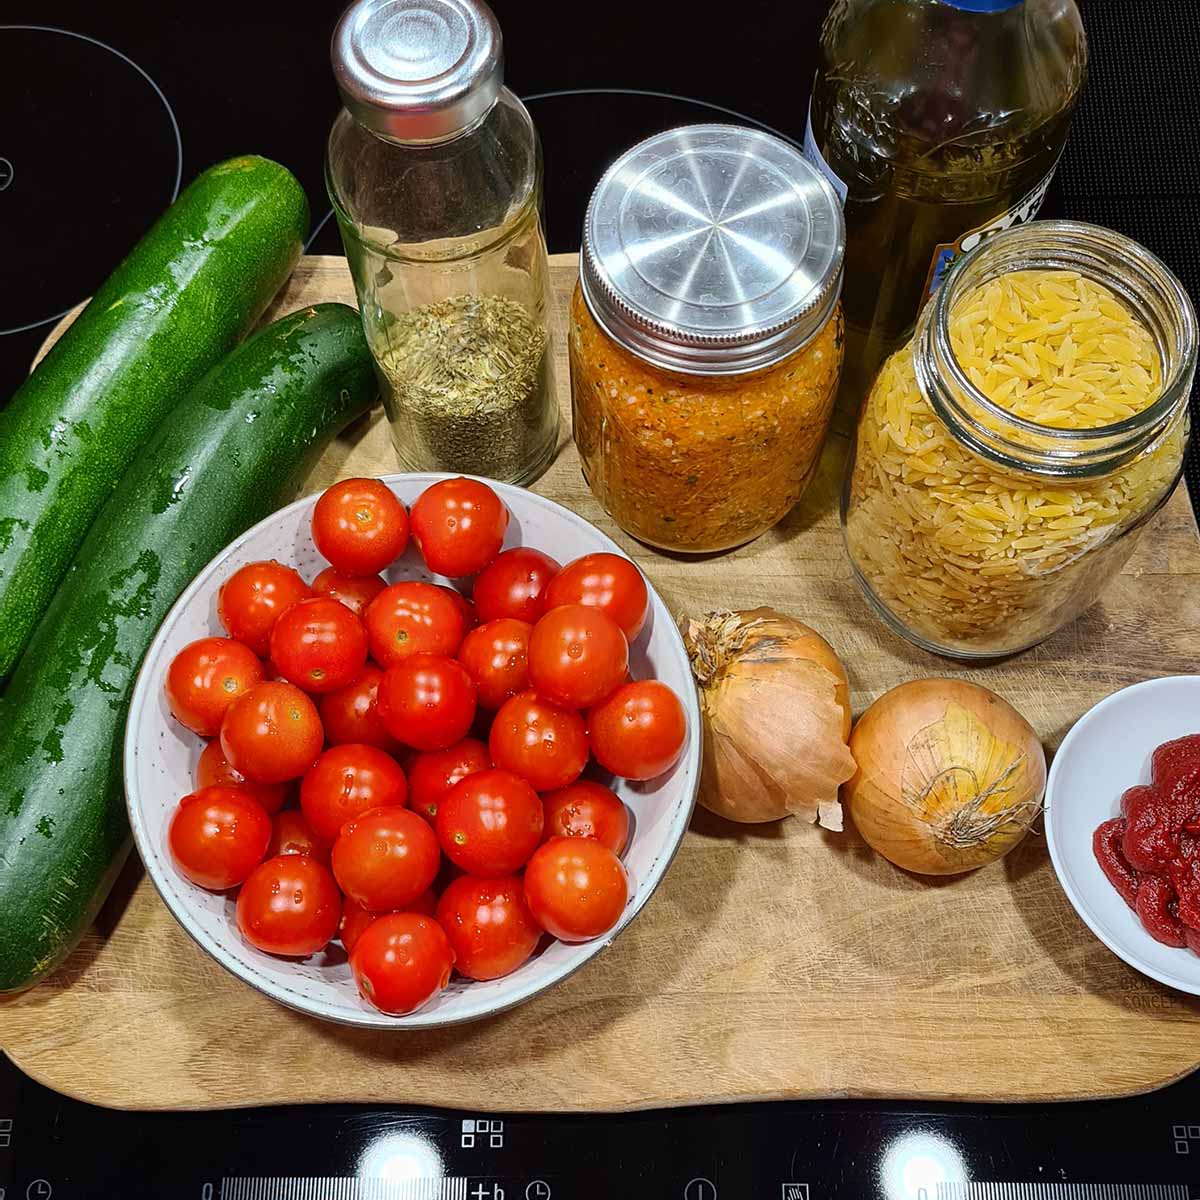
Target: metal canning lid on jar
(706, 335)
(1007, 458)
(434, 172)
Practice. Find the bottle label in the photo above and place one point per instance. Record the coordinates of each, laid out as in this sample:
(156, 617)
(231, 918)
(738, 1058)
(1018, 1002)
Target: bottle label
(812, 152)
(983, 6)
(945, 253)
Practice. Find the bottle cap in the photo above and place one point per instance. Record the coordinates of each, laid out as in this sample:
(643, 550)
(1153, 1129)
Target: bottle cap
(418, 70)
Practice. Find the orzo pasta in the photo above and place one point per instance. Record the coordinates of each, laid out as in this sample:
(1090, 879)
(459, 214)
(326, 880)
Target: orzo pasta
(970, 555)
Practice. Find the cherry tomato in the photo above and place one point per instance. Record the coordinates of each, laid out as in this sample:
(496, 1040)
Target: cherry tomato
(577, 656)
(351, 714)
(355, 918)
(609, 582)
(354, 922)
(385, 858)
(348, 780)
(289, 905)
(458, 525)
(638, 732)
(360, 526)
(252, 598)
(434, 773)
(496, 656)
(587, 809)
(427, 701)
(213, 768)
(218, 835)
(205, 678)
(272, 733)
(470, 616)
(292, 834)
(576, 888)
(490, 823)
(489, 925)
(414, 618)
(354, 591)
(401, 961)
(544, 744)
(514, 585)
(319, 645)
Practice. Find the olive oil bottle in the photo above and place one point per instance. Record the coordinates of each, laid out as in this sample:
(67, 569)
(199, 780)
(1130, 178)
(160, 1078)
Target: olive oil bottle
(937, 122)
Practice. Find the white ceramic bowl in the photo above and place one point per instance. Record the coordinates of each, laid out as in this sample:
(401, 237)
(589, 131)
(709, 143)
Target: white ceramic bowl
(160, 758)
(1107, 751)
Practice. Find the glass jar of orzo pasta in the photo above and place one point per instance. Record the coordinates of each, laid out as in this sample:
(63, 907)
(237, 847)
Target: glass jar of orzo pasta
(1008, 456)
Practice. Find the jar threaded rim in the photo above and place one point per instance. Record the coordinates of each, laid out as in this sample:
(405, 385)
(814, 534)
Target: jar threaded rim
(1137, 277)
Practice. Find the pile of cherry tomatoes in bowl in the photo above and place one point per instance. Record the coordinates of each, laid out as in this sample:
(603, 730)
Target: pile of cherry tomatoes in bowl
(400, 768)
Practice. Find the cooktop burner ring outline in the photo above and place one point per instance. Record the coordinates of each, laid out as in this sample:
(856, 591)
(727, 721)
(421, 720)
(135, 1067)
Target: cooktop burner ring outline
(617, 91)
(656, 95)
(83, 37)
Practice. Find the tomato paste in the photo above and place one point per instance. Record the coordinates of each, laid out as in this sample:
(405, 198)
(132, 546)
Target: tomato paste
(1151, 852)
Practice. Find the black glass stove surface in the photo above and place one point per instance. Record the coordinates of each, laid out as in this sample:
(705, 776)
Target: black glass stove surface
(101, 103)
(88, 192)
(96, 119)
(1137, 1149)
(104, 112)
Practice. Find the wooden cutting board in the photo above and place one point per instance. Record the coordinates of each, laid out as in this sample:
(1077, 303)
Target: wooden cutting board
(774, 961)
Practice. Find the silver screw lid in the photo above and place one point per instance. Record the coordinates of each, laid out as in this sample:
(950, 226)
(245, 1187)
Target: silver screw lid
(712, 250)
(418, 70)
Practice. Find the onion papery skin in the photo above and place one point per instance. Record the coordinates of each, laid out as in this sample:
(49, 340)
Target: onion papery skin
(776, 705)
(950, 776)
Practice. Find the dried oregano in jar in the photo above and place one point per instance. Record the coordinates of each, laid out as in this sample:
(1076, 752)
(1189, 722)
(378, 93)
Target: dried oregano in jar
(469, 386)
(435, 175)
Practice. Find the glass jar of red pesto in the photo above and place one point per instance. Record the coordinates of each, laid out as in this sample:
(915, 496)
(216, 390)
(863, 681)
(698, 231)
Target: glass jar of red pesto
(706, 335)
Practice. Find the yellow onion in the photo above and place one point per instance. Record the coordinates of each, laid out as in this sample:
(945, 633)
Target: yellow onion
(776, 705)
(950, 776)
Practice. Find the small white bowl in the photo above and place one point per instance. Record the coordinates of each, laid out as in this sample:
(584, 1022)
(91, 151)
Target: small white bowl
(160, 760)
(1107, 751)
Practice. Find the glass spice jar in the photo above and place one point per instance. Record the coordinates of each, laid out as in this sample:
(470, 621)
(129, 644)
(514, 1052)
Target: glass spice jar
(1008, 457)
(435, 175)
(706, 335)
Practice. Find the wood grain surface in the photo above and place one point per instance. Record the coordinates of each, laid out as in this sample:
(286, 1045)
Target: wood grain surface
(774, 961)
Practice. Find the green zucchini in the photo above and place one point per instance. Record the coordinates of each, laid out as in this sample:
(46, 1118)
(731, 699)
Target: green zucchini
(188, 292)
(240, 445)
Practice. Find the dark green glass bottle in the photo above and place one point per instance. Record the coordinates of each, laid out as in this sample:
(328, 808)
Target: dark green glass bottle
(937, 121)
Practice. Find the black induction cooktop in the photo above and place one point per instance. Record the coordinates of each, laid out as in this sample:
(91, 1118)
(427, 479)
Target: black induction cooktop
(1138, 1149)
(106, 110)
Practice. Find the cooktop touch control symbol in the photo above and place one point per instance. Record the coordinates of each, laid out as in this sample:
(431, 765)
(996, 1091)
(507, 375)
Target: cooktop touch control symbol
(489, 1131)
(795, 1191)
(6, 173)
(1184, 1136)
(6, 1133)
(538, 1189)
(700, 1189)
(39, 1189)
